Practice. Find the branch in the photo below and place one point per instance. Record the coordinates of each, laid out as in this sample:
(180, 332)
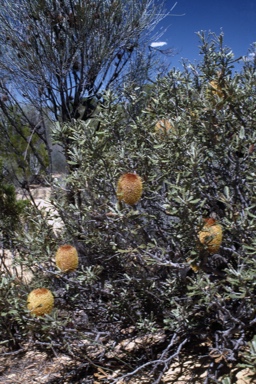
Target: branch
(161, 361)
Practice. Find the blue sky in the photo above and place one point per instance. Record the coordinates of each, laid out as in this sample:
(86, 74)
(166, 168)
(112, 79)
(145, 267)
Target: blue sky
(236, 18)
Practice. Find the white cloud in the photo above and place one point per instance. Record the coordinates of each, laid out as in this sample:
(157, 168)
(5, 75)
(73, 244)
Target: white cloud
(158, 44)
(250, 57)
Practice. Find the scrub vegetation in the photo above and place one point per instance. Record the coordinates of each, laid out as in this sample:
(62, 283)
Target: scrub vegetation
(162, 224)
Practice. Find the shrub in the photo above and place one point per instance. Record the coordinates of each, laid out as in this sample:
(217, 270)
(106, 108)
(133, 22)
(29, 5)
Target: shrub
(136, 278)
(11, 209)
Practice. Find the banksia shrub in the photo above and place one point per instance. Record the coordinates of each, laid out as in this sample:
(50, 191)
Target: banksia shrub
(211, 235)
(138, 267)
(66, 258)
(129, 188)
(40, 301)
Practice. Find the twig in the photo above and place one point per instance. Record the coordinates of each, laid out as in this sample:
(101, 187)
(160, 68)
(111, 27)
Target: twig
(157, 362)
(13, 353)
(30, 138)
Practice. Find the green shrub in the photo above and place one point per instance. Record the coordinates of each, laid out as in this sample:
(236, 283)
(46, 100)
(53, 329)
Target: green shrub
(11, 211)
(143, 268)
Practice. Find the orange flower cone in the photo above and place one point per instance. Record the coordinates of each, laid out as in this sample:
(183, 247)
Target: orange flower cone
(211, 235)
(129, 188)
(163, 127)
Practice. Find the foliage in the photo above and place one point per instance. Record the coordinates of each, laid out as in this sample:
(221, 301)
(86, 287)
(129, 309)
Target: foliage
(142, 270)
(83, 40)
(56, 57)
(10, 210)
(23, 148)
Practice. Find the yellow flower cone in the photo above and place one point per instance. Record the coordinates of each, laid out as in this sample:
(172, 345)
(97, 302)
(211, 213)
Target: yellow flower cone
(40, 301)
(66, 258)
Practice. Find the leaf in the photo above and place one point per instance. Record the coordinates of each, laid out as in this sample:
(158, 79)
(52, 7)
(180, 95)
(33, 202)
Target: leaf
(241, 133)
(226, 192)
(226, 380)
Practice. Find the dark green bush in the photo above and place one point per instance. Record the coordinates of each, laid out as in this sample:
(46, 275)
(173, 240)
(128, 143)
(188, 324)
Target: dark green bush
(10, 209)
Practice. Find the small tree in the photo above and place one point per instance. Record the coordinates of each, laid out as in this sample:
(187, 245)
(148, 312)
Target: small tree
(57, 56)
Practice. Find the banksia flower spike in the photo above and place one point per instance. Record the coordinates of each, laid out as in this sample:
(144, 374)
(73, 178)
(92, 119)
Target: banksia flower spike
(163, 127)
(211, 235)
(193, 265)
(66, 258)
(216, 89)
(129, 188)
(40, 301)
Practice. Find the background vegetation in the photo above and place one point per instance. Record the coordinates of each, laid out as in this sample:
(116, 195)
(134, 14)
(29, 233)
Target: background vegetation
(146, 294)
